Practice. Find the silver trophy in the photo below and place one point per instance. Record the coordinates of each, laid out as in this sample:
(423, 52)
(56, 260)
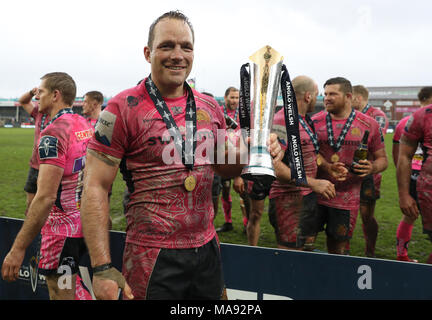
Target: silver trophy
(265, 75)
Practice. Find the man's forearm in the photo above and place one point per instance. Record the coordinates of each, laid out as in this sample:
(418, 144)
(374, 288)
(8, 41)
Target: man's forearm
(379, 165)
(36, 217)
(95, 218)
(403, 174)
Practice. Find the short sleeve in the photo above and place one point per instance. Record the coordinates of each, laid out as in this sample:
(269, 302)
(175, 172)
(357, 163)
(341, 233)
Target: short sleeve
(52, 147)
(414, 127)
(110, 132)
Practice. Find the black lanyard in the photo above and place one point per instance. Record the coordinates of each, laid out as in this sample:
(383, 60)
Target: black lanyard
(336, 146)
(59, 114)
(310, 132)
(186, 149)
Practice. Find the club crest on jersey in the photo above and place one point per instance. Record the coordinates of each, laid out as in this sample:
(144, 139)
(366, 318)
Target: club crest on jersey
(105, 127)
(48, 147)
(356, 132)
(203, 116)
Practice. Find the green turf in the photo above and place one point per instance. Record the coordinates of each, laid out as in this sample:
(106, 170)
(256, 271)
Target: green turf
(15, 152)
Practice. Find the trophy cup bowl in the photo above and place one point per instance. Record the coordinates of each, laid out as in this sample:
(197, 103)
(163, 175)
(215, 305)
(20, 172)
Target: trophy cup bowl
(265, 76)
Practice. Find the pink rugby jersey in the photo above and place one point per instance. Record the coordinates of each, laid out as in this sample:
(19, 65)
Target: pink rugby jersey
(308, 151)
(63, 143)
(348, 191)
(379, 117)
(41, 121)
(417, 160)
(419, 128)
(161, 213)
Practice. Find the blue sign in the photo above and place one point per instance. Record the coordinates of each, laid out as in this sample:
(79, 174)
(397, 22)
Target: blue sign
(254, 273)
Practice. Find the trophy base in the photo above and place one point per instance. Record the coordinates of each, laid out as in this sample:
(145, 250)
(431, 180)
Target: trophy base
(264, 175)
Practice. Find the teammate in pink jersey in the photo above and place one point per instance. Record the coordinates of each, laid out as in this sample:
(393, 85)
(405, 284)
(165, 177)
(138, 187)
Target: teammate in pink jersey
(231, 110)
(404, 230)
(92, 106)
(171, 249)
(293, 209)
(41, 120)
(54, 210)
(340, 131)
(370, 188)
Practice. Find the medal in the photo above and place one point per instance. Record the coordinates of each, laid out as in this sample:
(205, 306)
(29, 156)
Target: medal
(330, 134)
(319, 160)
(334, 158)
(190, 183)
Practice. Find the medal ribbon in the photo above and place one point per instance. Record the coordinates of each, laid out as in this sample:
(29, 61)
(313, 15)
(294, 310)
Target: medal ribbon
(186, 149)
(244, 100)
(59, 114)
(336, 146)
(310, 132)
(293, 155)
(366, 108)
(42, 123)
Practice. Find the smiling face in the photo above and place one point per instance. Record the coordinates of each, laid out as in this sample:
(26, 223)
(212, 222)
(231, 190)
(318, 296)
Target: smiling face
(171, 56)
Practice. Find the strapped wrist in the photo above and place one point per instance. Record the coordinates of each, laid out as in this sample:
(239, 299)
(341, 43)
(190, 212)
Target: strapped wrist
(102, 267)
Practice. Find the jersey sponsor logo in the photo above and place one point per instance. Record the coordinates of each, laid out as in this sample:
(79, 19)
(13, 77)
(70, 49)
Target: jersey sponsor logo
(78, 164)
(48, 146)
(105, 127)
(408, 124)
(84, 135)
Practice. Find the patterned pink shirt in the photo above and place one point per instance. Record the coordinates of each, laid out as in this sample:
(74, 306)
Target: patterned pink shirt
(308, 151)
(417, 160)
(161, 213)
(63, 143)
(419, 128)
(348, 191)
(379, 117)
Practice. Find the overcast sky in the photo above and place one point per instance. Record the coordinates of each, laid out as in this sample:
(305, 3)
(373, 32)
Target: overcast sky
(100, 43)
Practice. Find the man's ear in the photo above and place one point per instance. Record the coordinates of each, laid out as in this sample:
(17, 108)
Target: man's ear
(147, 53)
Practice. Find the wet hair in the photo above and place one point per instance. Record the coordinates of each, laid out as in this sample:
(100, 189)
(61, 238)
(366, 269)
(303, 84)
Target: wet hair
(62, 82)
(344, 84)
(227, 91)
(425, 94)
(168, 15)
(95, 95)
(361, 90)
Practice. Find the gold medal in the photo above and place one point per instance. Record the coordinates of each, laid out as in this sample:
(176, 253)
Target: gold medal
(319, 160)
(190, 183)
(334, 158)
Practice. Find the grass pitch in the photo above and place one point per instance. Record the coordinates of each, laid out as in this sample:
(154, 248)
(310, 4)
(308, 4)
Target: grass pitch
(15, 151)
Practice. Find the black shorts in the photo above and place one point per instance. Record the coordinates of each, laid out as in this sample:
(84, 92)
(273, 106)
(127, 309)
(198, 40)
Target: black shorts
(368, 191)
(413, 184)
(335, 222)
(259, 190)
(31, 183)
(187, 274)
(60, 251)
(216, 186)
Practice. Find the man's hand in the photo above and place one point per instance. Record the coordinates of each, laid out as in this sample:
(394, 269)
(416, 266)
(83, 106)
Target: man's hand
(408, 206)
(239, 185)
(12, 264)
(338, 171)
(323, 187)
(106, 285)
(275, 148)
(363, 168)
